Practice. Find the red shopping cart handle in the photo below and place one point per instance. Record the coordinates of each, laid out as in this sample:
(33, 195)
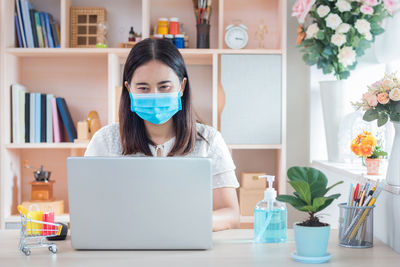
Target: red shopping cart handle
(62, 235)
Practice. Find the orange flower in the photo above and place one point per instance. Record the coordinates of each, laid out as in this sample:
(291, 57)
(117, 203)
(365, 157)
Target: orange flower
(366, 151)
(369, 140)
(356, 149)
(364, 144)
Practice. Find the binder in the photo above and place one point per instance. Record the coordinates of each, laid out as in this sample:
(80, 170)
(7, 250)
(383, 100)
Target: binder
(27, 117)
(66, 118)
(43, 118)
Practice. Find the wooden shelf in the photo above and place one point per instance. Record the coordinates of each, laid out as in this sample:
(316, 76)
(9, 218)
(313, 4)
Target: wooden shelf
(250, 146)
(46, 146)
(40, 52)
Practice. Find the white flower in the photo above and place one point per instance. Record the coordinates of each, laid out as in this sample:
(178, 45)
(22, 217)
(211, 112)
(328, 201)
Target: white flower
(368, 36)
(395, 94)
(347, 56)
(338, 39)
(322, 11)
(343, 5)
(312, 31)
(333, 21)
(363, 26)
(343, 28)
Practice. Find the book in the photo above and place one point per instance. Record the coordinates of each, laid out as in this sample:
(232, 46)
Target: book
(27, 23)
(66, 118)
(48, 30)
(58, 33)
(32, 119)
(33, 25)
(21, 118)
(27, 117)
(15, 110)
(54, 33)
(38, 122)
(21, 22)
(42, 22)
(58, 130)
(49, 119)
(18, 32)
(39, 29)
(43, 118)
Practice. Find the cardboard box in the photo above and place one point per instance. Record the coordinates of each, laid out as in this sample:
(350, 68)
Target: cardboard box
(248, 198)
(250, 180)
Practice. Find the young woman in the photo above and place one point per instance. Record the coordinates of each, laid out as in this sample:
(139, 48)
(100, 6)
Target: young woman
(156, 119)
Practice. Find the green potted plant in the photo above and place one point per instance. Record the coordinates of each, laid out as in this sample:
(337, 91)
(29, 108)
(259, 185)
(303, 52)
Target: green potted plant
(311, 235)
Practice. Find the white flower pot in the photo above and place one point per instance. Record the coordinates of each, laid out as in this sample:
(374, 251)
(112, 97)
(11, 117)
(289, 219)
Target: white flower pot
(393, 172)
(333, 98)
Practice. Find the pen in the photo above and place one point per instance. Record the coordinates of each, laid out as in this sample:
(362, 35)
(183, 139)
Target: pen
(375, 195)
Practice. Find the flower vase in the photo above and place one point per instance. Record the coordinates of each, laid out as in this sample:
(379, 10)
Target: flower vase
(333, 98)
(393, 172)
(373, 166)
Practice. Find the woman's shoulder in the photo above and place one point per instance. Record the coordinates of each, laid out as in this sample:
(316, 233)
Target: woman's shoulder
(109, 130)
(105, 141)
(206, 131)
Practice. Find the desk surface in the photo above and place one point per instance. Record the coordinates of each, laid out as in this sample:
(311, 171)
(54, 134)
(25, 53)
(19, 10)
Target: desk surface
(231, 248)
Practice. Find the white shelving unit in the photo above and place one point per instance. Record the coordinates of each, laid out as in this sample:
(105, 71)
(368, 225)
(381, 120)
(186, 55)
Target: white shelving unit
(87, 78)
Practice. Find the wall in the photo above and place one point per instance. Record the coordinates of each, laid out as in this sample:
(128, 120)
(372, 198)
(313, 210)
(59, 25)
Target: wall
(298, 120)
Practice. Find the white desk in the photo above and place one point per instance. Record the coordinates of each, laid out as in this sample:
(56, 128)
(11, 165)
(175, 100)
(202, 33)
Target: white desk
(231, 248)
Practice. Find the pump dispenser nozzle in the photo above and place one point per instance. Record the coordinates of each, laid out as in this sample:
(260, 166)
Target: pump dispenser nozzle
(270, 192)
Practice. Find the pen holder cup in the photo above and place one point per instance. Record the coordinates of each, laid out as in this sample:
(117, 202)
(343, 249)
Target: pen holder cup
(203, 35)
(356, 226)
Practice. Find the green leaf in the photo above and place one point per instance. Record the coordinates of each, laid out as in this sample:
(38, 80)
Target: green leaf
(303, 189)
(370, 115)
(318, 202)
(297, 203)
(382, 119)
(316, 179)
(308, 208)
(320, 35)
(328, 201)
(332, 186)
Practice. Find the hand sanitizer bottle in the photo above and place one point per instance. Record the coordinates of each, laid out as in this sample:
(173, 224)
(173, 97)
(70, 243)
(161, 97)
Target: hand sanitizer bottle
(270, 217)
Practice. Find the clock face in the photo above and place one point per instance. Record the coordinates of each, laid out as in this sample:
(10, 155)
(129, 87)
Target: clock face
(236, 38)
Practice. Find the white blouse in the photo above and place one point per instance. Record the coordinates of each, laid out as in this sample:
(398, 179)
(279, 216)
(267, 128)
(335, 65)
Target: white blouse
(107, 142)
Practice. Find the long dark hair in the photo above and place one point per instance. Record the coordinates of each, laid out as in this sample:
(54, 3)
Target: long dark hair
(134, 138)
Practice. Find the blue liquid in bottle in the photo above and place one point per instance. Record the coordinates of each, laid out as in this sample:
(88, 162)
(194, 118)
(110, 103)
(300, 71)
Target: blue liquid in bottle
(270, 224)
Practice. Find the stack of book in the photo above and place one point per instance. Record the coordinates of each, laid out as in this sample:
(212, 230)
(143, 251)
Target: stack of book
(39, 118)
(33, 28)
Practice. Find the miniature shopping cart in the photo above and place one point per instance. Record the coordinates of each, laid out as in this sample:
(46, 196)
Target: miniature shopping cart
(34, 233)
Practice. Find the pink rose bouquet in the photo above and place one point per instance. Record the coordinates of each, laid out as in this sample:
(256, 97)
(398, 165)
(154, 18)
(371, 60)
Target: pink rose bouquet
(382, 101)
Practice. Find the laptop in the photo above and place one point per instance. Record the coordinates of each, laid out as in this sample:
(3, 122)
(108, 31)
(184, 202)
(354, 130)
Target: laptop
(140, 202)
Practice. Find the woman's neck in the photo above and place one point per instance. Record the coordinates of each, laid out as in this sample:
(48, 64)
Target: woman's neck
(160, 133)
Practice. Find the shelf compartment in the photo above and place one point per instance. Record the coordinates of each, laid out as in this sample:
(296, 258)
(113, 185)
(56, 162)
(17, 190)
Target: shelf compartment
(185, 12)
(250, 13)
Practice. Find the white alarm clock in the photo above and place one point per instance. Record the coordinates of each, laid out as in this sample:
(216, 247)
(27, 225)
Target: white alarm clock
(236, 36)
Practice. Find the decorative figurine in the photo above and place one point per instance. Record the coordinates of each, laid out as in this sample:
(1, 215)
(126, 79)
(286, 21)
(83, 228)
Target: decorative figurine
(261, 31)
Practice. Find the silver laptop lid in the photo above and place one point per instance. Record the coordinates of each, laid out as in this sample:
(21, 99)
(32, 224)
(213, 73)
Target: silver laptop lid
(140, 203)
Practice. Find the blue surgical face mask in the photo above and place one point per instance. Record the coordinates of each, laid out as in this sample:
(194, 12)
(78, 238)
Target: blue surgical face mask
(156, 108)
